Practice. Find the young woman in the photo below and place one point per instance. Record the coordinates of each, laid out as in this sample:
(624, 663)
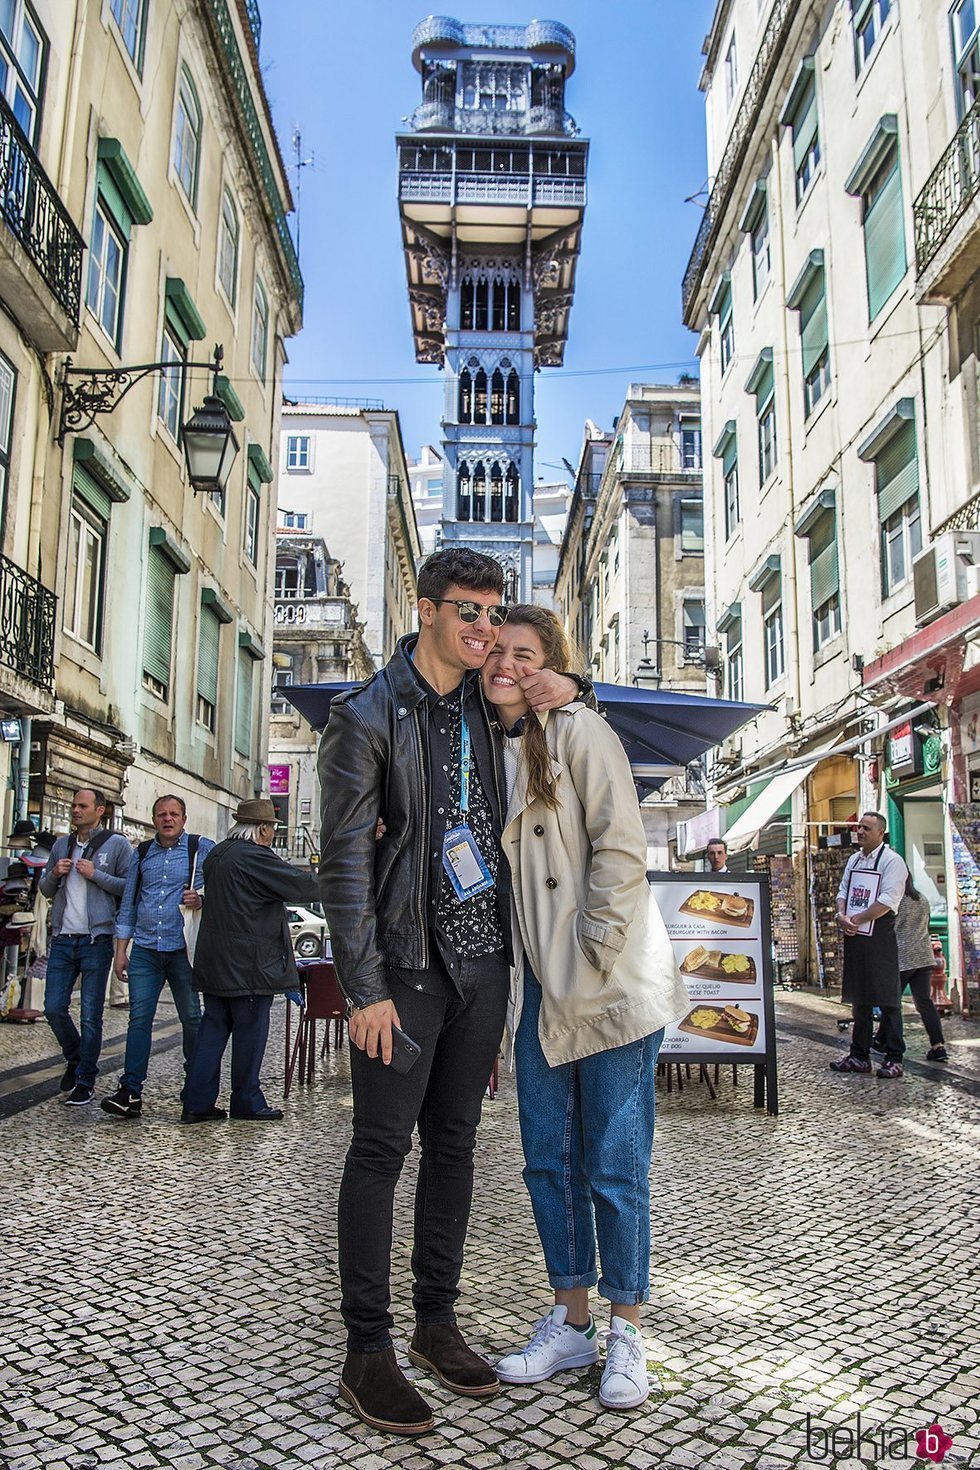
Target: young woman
(594, 985)
(915, 962)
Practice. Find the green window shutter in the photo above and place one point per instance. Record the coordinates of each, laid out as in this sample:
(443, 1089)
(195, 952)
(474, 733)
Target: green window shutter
(772, 593)
(183, 317)
(897, 471)
(158, 633)
(813, 323)
(725, 308)
(207, 655)
(87, 487)
(120, 189)
(764, 389)
(730, 457)
(805, 124)
(824, 569)
(884, 234)
(243, 704)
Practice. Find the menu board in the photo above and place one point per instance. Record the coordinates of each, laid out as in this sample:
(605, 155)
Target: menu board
(965, 823)
(719, 926)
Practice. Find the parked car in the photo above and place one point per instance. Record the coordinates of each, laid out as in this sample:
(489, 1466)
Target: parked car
(309, 932)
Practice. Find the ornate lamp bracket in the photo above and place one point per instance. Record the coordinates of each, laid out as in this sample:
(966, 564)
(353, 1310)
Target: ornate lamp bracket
(88, 392)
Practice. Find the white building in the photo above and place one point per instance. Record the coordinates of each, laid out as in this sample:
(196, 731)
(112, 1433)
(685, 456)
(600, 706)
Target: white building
(427, 474)
(551, 504)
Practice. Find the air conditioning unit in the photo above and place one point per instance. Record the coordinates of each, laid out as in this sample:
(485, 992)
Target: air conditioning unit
(944, 573)
(729, 754)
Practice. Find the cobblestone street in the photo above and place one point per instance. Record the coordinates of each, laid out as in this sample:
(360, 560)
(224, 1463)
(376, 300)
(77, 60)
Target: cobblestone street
(171, 1293)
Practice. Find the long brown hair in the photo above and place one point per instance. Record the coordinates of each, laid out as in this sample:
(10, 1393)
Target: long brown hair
(557, 656)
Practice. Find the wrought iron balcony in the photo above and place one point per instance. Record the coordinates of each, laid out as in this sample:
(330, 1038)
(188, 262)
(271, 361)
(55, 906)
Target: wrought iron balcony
(949, 191)
(254, 19)
(473, 188)
(35, 215)
(756, 95)
(27, 613)
(660, 459)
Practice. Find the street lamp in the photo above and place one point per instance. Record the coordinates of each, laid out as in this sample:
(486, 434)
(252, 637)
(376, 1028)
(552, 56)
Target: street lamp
(648, 675)
(209, 441)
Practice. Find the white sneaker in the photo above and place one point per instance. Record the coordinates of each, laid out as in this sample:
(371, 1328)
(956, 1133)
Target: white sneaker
(624, 1384)
(554, 1346)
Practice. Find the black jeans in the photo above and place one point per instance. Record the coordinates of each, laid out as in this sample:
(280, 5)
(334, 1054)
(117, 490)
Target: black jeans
(460, 1035)
(919, 983)
(889, 1029)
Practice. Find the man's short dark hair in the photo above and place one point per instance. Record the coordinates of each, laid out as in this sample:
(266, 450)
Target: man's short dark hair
(97, 794)
(171, 796)
(460, 567)
(879, 818)
(716, 842)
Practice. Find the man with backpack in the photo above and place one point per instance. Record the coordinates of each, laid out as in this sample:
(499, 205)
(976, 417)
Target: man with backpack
(165, 877)
(84, 879)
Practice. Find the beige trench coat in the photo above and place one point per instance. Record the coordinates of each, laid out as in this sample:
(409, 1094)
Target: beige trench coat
(584, 914)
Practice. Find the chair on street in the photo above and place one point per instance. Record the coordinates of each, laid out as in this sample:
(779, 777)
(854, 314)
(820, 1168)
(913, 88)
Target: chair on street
(322, 1001)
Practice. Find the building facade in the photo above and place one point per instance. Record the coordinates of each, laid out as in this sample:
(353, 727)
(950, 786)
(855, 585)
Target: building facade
(428, 476)
(550, 507)
(491, 188)
(153, 202)
(343, 477)
(830, 284)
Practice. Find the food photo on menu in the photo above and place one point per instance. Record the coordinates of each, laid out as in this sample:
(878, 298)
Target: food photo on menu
(721, 1026)
(725, 914)
(712, 969)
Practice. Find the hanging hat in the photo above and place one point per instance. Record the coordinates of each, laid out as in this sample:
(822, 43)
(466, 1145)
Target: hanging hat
(21, 920)
(256, 811)
(16, 870)
(37, 857)
(24, 827)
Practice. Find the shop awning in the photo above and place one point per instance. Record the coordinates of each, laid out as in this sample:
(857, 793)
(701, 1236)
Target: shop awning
(746, 828)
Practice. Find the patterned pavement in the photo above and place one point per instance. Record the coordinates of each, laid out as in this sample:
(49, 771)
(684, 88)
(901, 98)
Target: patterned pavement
(171, 1294)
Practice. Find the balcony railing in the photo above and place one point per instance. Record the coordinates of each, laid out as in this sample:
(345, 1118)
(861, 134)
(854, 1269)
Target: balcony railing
(754, 98)
(27, 613)
(254, 19)
(471, 188)
(33, 212)
(660, 459)
(949, 191)
(310, 612)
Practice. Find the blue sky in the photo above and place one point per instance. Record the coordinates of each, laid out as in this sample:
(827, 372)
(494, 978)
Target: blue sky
(343, 73)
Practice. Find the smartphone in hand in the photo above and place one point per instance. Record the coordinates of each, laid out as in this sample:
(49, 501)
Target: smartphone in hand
(404, 1051)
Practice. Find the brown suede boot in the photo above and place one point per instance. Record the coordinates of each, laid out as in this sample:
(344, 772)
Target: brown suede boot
(380, 1394)
(440, 1346)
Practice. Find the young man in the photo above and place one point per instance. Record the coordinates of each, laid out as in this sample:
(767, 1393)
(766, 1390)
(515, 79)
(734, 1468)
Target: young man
(717, 854)
(164, 874)
(870, 892)
(420, 923)
(84, 877)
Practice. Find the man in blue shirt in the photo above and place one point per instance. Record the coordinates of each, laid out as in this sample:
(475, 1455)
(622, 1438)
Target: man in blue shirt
(164, 874)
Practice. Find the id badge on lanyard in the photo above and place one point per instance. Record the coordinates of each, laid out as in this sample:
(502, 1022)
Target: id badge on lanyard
(461, 857)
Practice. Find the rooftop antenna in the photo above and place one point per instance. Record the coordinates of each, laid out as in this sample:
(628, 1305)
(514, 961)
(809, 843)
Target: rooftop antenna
(299, 166)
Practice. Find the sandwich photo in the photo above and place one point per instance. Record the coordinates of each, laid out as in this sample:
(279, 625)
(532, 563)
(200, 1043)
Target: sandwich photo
(721, 1023)
(727, 907)
(719, 964)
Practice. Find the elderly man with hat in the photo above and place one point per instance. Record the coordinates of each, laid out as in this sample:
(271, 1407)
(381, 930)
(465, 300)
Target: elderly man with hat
(244, 958)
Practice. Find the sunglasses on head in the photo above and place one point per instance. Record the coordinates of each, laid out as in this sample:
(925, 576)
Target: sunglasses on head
(470, 612)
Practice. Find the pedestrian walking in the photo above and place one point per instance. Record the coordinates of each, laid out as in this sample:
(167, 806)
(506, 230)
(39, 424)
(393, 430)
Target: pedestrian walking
(84, 878)
(868, 899)
(594, 984)
(243, 959)
(420, 924)
(165, 878)
(916, 962)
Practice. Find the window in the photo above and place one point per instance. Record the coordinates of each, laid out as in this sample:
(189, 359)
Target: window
(260, 328)
(287, 580)
(282, 679)
(253, 503)
(868, 17)
(298, 458)
(228, 238)
(690, 446)
(158, 629)
(243, 704)
(208, 649)
(824, 578)
(295, 520)
(693, 614)
(722, 307)
(734, 665)
(8, 386)
(23, 50)
(761, 259)
(187, 137)
(692, 525)
(171, 391)
(884, 232)
(772, 629)
(106, 265)
(809, 298)
(966, 51)
(761, 383)
(800, 115)
(897, 485)
(85, 580)
(130, 17)
(731, 72)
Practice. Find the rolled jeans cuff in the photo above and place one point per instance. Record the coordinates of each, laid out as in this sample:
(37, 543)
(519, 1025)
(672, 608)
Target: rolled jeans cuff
(570, 1283)
(622, 1298)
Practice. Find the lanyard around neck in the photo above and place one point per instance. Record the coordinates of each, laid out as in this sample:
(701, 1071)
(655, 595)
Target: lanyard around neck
(464, 765)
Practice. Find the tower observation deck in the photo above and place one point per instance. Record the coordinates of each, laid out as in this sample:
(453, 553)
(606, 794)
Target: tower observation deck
(491, 192)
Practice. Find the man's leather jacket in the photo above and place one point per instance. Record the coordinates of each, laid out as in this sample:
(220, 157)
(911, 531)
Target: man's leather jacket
(373, 762)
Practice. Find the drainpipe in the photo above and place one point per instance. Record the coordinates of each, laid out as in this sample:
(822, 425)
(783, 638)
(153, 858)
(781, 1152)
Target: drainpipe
(23, 769)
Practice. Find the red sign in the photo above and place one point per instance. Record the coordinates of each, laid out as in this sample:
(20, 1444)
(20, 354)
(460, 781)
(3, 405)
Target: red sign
(278, 780)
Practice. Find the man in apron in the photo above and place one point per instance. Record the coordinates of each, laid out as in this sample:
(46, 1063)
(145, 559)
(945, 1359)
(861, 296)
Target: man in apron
(867, 902)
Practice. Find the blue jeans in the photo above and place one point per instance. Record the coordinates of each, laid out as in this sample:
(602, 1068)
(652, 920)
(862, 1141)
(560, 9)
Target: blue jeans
(587, 1131)
(149, 971)
(71, 956)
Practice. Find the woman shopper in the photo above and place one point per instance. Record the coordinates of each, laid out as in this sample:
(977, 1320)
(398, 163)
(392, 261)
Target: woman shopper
(594, 985)
(915, 963)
